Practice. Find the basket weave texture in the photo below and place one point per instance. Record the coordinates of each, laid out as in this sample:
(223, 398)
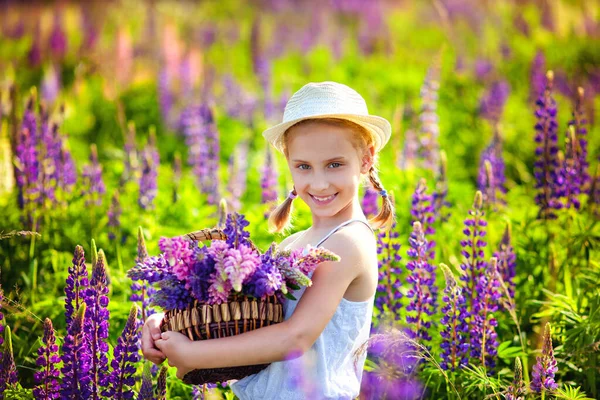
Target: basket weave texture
(201, 321)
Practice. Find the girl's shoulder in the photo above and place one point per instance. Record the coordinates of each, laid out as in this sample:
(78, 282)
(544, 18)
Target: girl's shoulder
(290, 239)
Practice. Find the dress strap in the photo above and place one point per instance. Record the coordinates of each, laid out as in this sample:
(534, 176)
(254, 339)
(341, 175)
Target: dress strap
(340, 226)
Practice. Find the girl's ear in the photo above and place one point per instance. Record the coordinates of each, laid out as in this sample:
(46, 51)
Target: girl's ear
(368, 159)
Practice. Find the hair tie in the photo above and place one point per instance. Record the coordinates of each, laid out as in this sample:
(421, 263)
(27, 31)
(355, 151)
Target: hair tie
(383, 193)
(292, 195)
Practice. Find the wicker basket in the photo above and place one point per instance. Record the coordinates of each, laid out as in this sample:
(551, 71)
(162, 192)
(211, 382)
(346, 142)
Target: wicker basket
(200, 321)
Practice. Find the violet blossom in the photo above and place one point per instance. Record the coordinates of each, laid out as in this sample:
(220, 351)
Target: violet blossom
(146, 390)
(429, 129)
(94, 187)
(507, 261)
(149, 178)
(423, 210)
(492, 183)
(268, 180)
(76, 359)
(440, 203)
(542, 377)
(491, 105)
(47, 386)
(236, 186)
(388, 296)
(58, 38)
(8, 369)
(579, 123)
(547, 171)
(125, 358)
(76, 285)
(455, 329)
(143, 291)
(96, 326)
(369, 202)
(423, 292)
(516, 391)
(538, 74)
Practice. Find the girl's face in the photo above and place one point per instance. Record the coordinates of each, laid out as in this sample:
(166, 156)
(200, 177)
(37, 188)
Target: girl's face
(326, 167)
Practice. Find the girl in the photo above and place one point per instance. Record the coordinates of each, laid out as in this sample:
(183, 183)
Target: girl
(330, 142)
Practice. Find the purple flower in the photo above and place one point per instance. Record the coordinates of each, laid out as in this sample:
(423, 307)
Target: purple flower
(484, 343)
(200, 392)
(516, 391)
(239, 264)
(423, 211)
(76, 359)
(236, 186)
(580, 144)
(76, 285)
(166, 97)
(51, 85)
(67, 172)
(538, 75)
(149, 177)
(46, 379)
(483, 68)
(369, 202)
(172, 294)
(114, 215)
(492, 103)
(146, 392)
(473, 246)
(507, 261)
(440, 204)
(388, 296)
(491, 179)
(58, 38)
(423, 292)
(125, 358)
(96, 326)
(235, 229)
(34, 56)
(92, 177)
(266, 280)
(8, 369)
(542, 376)
(268, 180)
(142, 292)
(180, 255)
(455, 329)
(547, 171)
(429, 130)
(27, 171)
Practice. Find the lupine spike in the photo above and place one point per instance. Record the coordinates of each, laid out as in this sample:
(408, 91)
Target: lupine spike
(146, 392)
(76, 359)
(161, 384)
(579, 123)
(441, 191)
(46, 380)
(423, 210)
(268, 181)
(542, 377)
(149, 177)
(507, 260)
(455, 329)
(429, 130)
(96, 326)
(572, 170)
(517, 391)
(423, 292)
(8, 370)
(94, 187)
(77, 282)
(388, 297)
(125, 358)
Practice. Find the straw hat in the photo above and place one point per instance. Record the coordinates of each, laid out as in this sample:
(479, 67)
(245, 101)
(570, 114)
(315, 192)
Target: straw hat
(329, 100)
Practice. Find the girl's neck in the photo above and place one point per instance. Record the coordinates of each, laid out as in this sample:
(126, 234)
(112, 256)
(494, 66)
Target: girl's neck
(352, 211)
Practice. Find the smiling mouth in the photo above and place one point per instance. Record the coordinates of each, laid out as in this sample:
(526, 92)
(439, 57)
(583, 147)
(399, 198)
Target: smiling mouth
(323, 199)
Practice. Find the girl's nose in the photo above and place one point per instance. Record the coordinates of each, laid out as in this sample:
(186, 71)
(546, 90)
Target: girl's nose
(319, 183)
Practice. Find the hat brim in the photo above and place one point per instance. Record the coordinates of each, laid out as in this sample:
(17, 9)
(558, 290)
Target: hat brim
(379, 127)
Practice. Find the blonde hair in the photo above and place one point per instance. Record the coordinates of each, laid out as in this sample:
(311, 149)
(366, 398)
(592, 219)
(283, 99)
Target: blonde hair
(280, 217)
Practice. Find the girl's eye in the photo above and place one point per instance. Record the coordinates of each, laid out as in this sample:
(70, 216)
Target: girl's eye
(335, 165)
(303, 166)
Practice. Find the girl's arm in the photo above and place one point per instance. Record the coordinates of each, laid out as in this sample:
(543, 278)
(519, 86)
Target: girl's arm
(297, 334)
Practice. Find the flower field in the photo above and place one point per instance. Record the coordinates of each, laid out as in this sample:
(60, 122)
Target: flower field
(126, 125)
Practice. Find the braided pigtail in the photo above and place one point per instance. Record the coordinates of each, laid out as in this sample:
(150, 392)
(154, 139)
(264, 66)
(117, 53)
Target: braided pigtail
(385, 218)
(280, 217)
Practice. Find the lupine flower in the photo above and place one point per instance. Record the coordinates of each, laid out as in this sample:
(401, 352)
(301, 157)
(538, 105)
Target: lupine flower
(76, 359)
(422, 210)
(96, 325)
(51, 84)
(538, 74)
(388, 297)
(542, 377)
(49, 163)
(235, 230)
(34, 56)
(579, 123)
(549, 180)
(268, 180)
(8, 369)
(161, 384)
(125, 358)
(429, 130)
(570, 170)
(239, 103)
(76, 285)
(114, 215)
(58, 38)
(236, 186)
(369, 202)
(440, 204)
(492, 183)
(179, 254)
(473, 246)
(516, 391)
(166, 97)
(142, 291)
(27, 161)
(92, 176)
(146, 390)
(66, 170)
(484, 343)
(200, 392)
(507, 261)
(46, 380)
(455, 329)
(149, 178)
(267, 279)
(492, 102)
(423, 292)
(239, 264)
(172, 294)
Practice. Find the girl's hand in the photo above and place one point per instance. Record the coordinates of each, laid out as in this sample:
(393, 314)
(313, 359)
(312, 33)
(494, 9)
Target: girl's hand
(150, 333)
(176, 346)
